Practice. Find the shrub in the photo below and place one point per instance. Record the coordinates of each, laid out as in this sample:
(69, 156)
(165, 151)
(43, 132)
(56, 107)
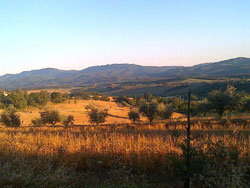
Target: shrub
(37, 122)
(10, 118)
(104, 98)
(133, 116)
(164, 111)
(68, 121)
(50, 117)
(97, 116)
(96, 98)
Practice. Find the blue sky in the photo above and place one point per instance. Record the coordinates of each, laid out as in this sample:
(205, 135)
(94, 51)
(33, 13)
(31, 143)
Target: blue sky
(74, 34)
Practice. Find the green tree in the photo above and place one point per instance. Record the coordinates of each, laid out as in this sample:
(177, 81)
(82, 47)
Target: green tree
(39, 99)
(164, 111)
(58, 97)
(97, 116)
(50, 117)
(133, 116)
(178, 104)
(18, 99)
(234, 97)
(202, 107)
(10, 118)
(150, 110)
(219, 101)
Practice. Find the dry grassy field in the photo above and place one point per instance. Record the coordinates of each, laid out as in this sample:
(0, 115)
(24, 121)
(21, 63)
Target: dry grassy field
(134, 156)
(117, 113)
(99, 157)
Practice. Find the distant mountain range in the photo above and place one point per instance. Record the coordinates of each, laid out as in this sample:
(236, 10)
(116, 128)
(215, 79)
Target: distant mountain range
(120, 73)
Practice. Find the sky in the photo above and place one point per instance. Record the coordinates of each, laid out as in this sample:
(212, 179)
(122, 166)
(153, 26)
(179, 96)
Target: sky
(75, 34)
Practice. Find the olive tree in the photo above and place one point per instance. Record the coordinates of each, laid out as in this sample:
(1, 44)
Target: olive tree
(95, 115)
(133, 116)
(150, 110)
(50, 117)
(10, 118)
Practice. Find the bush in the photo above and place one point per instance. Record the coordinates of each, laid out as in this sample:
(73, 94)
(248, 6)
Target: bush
(97, 116)
(104, 98)
(50, 117)
(133, 116)
(96, 98)
(37, 122)
(10, 118)
(164, 111)
(68, 121)
(127, 100)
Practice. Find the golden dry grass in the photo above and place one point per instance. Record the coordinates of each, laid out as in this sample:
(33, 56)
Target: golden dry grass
(124, 154)
(117, 113)
(94, 156)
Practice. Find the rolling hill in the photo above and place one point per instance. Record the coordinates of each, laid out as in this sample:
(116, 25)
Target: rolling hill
(121, 73)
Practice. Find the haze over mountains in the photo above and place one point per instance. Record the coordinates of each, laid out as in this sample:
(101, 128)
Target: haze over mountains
(120, 73)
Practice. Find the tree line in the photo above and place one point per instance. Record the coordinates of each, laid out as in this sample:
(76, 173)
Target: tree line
(20, 99)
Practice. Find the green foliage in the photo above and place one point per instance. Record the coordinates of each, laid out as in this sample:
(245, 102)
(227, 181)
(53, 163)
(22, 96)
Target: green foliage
(104, 98)
(133, 116)
(2, 105)
(68, 121)
(130, 101)
(96, 98)
(18, 99)
(222, 167)
(37, 122)
(10, 118)
(97, 116)
(247, 105)
(201, 107)
(147, 97)
(222, 101)
(50, 117)
(81, 94)
(150, 110)
(39, 99)
(164, 111)
(140, 101)
(58, 97)
(177, 104)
